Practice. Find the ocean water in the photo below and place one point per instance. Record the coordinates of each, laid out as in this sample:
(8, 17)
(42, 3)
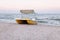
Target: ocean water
(48, 19)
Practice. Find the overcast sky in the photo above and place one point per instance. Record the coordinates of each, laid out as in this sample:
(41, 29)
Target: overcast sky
(44, 6)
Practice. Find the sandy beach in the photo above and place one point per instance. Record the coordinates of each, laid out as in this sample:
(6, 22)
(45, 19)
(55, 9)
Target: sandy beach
(14, 31)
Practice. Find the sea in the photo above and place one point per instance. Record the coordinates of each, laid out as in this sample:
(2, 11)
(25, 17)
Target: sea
(48, 19)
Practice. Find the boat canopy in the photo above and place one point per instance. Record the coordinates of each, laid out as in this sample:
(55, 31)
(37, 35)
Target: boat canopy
(27, 11)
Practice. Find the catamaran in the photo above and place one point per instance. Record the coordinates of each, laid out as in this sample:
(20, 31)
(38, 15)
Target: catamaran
(25, 19)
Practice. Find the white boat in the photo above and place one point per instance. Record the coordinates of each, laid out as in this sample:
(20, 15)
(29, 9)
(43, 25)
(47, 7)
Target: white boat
(26, 20)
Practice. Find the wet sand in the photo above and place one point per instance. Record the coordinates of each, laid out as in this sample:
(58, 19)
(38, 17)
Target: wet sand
(13, 31)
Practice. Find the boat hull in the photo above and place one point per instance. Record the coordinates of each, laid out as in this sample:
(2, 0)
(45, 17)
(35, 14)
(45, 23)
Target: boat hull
(26, 22)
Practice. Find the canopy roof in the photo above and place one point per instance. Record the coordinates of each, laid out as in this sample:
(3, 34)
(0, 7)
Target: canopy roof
(27, 11)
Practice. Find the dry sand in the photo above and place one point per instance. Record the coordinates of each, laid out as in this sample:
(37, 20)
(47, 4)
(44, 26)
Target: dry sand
(13, 31)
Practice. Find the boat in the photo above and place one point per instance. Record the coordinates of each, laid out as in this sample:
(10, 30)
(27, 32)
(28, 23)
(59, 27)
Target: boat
(26, 20)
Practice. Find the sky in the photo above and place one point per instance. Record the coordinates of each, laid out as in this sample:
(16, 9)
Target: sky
(42, 6)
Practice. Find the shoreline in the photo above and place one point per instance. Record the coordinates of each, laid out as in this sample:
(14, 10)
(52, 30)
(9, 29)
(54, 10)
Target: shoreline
(14, 31)
(27, 24)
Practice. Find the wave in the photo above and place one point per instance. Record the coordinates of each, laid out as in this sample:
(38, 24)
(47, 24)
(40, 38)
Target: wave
(44, 19)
